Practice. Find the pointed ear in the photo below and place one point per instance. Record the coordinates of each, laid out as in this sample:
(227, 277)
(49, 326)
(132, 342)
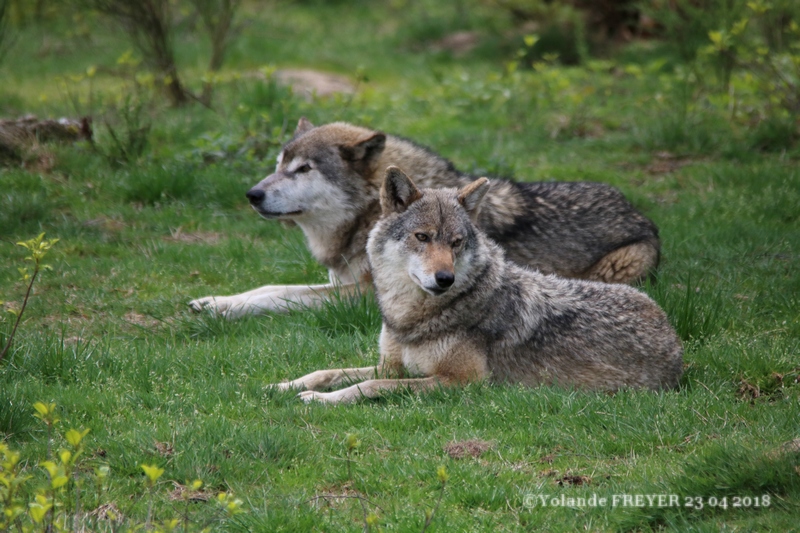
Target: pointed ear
(303, 126)
(472, 195)
(364, 149)
(398, 192)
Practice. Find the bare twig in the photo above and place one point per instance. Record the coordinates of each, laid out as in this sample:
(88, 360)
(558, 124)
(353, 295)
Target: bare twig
(19, 315)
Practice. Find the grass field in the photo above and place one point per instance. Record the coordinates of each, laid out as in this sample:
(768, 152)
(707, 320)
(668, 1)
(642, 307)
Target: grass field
(108, 338)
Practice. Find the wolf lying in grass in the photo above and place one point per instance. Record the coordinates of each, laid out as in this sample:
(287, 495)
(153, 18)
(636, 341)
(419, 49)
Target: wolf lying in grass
(455, 310)
(328, 180)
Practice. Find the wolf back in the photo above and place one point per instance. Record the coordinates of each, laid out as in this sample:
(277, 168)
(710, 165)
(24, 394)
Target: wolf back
(567, 228)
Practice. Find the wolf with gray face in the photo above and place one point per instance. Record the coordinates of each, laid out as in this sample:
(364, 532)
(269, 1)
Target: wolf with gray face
(328, 180)
(455, 310)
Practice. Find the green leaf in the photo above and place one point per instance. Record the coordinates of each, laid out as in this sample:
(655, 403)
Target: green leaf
(74, 437)
(65, 456)
(59, 481)
(51, 468)
(42, 409)
(152, 472)
(38, 510)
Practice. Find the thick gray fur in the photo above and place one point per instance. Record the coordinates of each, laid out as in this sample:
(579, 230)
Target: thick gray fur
(497, 320)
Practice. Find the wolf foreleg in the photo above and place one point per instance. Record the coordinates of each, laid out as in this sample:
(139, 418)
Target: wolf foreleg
(271, 298)
(324, 379)
(371, 389)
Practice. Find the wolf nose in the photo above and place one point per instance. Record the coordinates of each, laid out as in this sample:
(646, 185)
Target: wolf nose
(444, 279)
(256, 196)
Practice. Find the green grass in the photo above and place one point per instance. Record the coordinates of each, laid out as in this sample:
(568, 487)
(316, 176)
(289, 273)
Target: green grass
(108, 337)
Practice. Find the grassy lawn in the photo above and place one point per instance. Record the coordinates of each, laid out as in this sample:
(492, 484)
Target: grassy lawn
(107, 335)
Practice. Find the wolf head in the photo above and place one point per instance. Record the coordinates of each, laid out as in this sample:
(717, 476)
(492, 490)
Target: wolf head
(319, 171)
(426, 236)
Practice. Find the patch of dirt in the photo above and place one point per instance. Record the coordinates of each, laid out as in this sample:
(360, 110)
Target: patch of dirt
(309, 83)
(164, 448)
(74, 325)
(193, 237)
(11, 307)
(747, 390)
(793, 446)
(139, 319)
(459, 43)
(335, 496)
(570, 479)
(550, 457)
(768, 389)
(108, 511)
(467, 448)
(184, 493)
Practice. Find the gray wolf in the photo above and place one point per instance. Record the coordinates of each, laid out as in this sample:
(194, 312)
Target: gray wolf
(328, 179)
(455, 310)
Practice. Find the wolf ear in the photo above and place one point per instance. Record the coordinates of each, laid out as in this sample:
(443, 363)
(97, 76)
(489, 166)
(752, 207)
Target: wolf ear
(303, 126)
(398, 192)
(365, 149)
(471, 195)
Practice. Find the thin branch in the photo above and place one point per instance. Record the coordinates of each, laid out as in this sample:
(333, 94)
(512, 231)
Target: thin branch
(429, 518)
(19, 315)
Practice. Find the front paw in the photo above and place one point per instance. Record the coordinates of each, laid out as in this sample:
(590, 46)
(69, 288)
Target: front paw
(286, 385)
(314, 396)
(215, 304)
(225, 306)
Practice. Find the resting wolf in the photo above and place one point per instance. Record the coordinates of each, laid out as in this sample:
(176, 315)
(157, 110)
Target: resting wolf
(327, 182)
(454, 310)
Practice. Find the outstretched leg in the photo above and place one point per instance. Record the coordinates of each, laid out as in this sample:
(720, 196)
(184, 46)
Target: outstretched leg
(276, 298)
(371, 389)
(326, 379)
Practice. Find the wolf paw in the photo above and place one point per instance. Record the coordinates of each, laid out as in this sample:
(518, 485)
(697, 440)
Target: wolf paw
(309, 396)
(284, 386)
(224, 306)
(209, 303)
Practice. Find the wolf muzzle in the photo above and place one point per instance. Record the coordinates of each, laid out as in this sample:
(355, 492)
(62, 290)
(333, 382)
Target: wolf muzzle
(256, 196)
(444, 279)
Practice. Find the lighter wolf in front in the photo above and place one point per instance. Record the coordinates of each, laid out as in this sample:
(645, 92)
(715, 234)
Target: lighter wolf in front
(455, 311)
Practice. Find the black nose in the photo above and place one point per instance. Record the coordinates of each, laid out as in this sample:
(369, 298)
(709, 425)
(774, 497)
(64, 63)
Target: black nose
(256, 196)
(444, 279)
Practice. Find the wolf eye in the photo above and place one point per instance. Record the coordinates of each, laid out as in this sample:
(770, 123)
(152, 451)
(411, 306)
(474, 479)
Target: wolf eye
(457, 243)
(301, 169)
(421, 237)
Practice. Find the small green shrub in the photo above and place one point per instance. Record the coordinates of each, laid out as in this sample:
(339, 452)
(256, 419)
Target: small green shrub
(125, 133)
(75, 482)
